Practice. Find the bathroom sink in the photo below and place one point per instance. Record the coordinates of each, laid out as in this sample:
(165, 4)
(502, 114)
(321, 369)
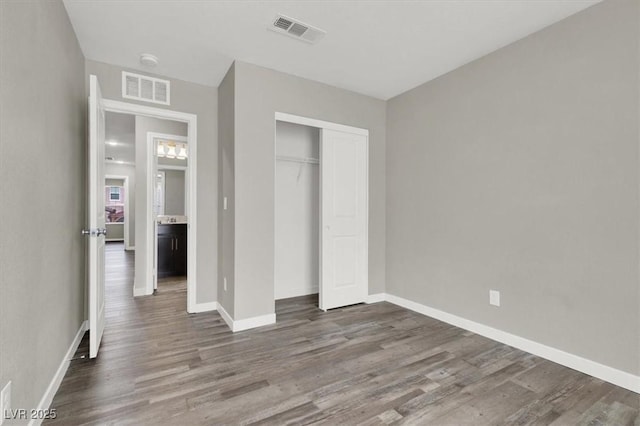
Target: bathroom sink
(171, 219)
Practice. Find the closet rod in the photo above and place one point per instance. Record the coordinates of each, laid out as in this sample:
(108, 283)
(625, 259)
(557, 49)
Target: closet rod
(298, 159)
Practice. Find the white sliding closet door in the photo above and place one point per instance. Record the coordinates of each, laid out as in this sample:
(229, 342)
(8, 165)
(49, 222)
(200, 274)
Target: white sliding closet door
(344, 218)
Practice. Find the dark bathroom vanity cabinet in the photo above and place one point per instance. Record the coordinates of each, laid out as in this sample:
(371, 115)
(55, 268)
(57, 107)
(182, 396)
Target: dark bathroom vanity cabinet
(172, 250)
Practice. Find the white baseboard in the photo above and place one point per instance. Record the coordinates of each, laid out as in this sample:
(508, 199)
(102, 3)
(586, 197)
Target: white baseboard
(47, 398)
(140, 292)
(247, 323)
(253, 322)
(225, 316)
(375, 298)
(204, 307)
(587, 366)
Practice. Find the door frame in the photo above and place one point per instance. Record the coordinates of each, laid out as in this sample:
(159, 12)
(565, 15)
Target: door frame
(321, 124)
(192, 139)
(126, 207)
(152, 226)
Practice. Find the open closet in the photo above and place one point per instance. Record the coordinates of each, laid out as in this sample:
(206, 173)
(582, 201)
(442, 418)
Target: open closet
(321, 211)
(297, 200)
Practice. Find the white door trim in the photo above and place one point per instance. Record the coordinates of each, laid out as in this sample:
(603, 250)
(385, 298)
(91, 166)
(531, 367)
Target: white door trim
(192, 140)
(168, 167)
(312, 122)
(127, 245)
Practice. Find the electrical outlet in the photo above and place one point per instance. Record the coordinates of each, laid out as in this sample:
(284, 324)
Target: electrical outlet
(224, 280)
(5, 402)
(494, 297)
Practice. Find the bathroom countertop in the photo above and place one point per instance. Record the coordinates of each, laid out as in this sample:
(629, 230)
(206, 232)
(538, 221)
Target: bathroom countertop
(171, 220)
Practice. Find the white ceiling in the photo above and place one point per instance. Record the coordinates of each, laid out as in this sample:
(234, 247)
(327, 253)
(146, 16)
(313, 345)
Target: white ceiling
(378, 48)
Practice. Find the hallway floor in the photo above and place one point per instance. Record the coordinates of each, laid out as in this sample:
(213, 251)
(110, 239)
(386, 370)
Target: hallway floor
(366, 364)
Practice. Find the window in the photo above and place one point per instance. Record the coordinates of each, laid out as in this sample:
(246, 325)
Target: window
(114, 204)
(114, 193)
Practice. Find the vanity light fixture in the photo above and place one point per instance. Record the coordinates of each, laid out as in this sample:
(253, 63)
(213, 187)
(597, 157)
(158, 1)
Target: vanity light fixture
(182, 153)
(171, 153)
(172, 149)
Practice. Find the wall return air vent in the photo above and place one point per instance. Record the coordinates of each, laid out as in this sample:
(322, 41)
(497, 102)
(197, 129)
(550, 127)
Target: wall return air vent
(299, 30)
(145, 88)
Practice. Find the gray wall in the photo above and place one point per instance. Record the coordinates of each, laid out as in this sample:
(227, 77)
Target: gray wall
(259, 94)
(145, 125)
(164, 161)
(115, 231)
(174, 192)
(226, 225)
(42, 110)
(203, 101)
(113, 182)
(130, 172)
(519, 172)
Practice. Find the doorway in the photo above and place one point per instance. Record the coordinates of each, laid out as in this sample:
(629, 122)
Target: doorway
(145, 249)
(96, 230)
(169, 215)
(120, 178)
(117, 209)
(321, 211)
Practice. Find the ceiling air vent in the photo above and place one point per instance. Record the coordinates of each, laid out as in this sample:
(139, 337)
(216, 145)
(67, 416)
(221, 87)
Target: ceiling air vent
(282, 23)
(145, 88)
(293, 28)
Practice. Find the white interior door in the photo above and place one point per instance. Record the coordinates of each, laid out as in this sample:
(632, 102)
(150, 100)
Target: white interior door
(344, 219)
(158, 208)
(96, 231)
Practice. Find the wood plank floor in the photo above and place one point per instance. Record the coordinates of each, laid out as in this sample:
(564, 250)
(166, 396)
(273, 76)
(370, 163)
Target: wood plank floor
(367, 364)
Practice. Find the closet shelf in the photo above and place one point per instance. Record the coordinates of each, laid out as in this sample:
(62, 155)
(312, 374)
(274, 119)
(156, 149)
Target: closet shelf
(298, 159)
